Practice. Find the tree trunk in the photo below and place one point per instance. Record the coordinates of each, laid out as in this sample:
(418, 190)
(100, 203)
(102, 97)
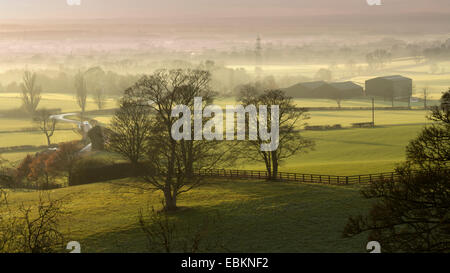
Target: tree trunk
(268, 167)
(69, 178)
(274, 165)
(48, 140)
(170, 200)
(47, 182)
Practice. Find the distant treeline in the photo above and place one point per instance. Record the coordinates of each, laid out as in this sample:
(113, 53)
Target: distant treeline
(63, 81)
(223, 80)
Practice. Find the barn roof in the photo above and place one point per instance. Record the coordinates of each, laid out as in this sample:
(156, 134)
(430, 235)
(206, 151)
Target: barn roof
(313, 85)
(391, 78)
(345, 85)
(307, 85)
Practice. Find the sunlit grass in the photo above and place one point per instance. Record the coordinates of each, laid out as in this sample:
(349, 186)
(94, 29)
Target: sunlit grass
(350, 151)
(255, 216)
(35, 138)
(65, 102)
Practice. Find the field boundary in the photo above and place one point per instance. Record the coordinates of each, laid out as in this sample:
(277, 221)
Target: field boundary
(299, 177)
(367, 108)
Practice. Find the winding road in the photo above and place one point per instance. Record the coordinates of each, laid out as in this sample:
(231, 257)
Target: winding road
(85, 126)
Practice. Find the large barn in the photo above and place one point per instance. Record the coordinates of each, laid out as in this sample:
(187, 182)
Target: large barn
(390, 87)
(342, 90)
(323, 90)
(304, 89)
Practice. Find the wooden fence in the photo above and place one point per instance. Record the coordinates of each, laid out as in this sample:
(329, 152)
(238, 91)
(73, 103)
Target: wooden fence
(298, 177)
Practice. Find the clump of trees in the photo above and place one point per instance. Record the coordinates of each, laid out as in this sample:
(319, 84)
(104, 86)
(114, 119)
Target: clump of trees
(378, 58)
(35, 172)
(168, 164)
(411, 214)
(41, 170)
(324, 74)
(64, 160)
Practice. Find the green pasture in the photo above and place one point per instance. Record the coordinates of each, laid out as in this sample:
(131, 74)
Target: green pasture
(382, 117)
(346, 151)
(65, 102)
(254, 216)
(15, 157)
(350, 151)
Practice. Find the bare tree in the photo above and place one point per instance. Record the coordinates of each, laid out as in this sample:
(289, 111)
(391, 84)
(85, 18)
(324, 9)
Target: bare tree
(32, 229)
(169, 163)
(99, 98)
(47, 125)
(81, 92)
(291, 119)
(378, 58)
(164, 234)
(425, 96)
(31, 92)
(131, 127)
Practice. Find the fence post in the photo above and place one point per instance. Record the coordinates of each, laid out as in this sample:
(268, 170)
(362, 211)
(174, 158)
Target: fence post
(346, 180)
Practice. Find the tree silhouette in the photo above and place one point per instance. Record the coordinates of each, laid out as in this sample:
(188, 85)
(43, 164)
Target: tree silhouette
(46, 124)
(291, 118)
(31, 92)
(411, 214)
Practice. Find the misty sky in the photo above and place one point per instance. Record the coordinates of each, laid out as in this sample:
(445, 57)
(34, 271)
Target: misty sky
(90, 9)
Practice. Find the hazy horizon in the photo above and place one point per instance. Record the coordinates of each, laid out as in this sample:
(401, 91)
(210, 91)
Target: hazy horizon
(110, 9)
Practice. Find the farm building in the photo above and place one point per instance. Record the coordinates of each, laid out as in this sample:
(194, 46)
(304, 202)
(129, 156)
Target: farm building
(336, 90)
(321, 90)
(390, 87)
(304, 89)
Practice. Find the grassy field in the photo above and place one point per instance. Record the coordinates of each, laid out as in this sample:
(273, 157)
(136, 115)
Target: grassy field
(255, 216)
(65, 102)
(350, 151)
(347, 151)
(35, 138)
(382, 117)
